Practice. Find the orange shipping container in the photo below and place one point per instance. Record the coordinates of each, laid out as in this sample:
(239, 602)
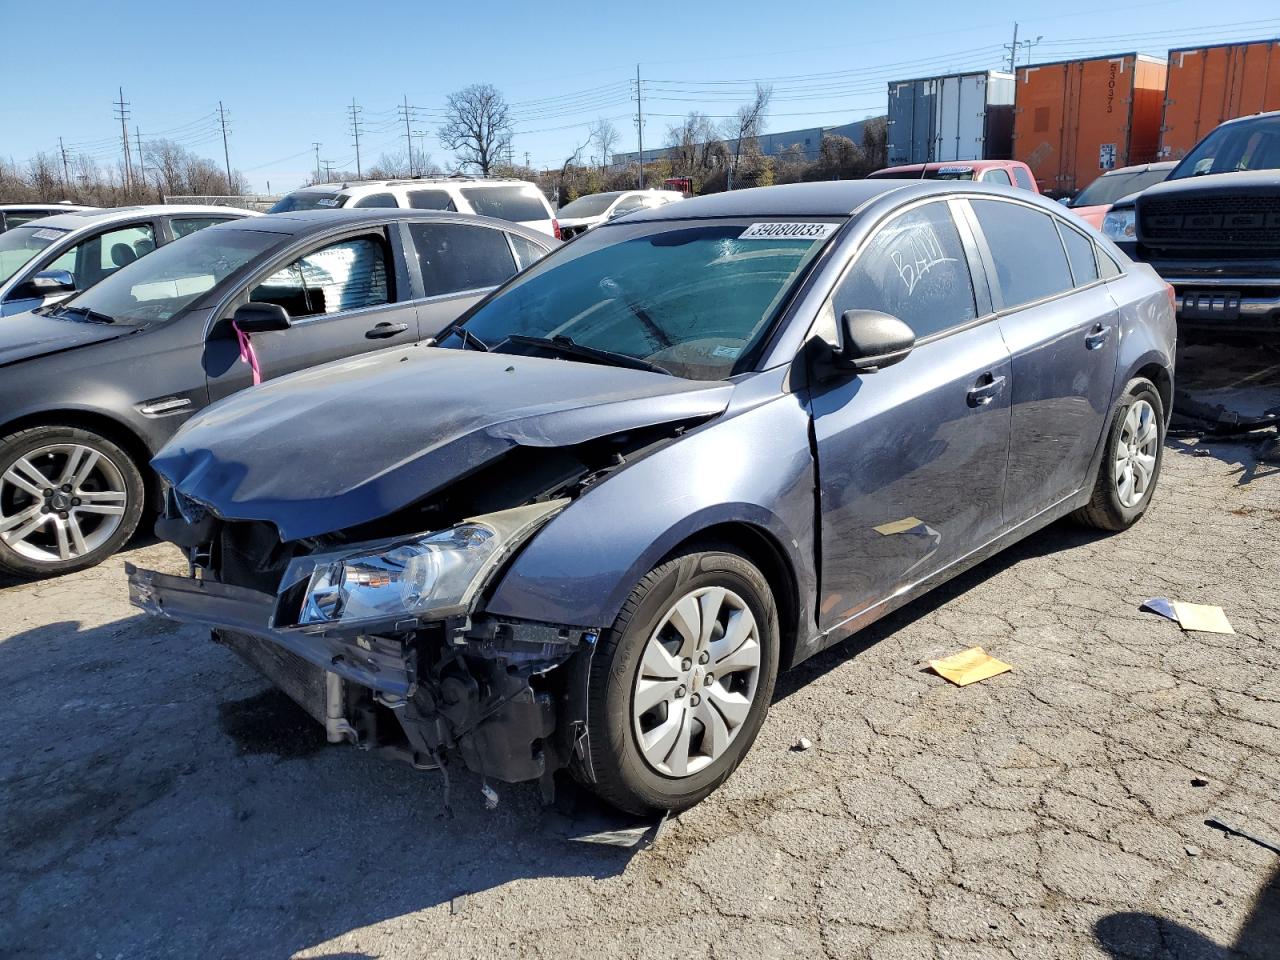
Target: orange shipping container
(1077, 119)
(1208, 85)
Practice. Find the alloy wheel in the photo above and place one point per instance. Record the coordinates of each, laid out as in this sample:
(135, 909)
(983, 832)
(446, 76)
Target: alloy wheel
(1135, 458)
(696, 682)
(60, 502)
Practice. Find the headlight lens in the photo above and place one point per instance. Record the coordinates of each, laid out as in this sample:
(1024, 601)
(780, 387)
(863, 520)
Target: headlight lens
(433, 573)
(1120, 224)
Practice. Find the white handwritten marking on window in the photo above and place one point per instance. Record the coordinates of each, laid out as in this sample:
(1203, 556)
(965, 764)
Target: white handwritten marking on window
(918, 251)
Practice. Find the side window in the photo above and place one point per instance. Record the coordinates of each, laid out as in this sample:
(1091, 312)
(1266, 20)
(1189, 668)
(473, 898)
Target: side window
(1023, 178)
(914, 269)
(628, 205)
(1084, 268)
(527, 252)
(1029, 259)
(189, 225)
(518, 203)
(91, 260)
(431, 200)
(347, 275)
(456, 257)
(376, 200)
(1107, 267)
(997, 176)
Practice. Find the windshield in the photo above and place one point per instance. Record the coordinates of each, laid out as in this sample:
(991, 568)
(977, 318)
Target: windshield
(1248, 145)
(1111, 187)
(307, 200)
(592, 206)
(19, 246)
(689, 298)
(160, 284)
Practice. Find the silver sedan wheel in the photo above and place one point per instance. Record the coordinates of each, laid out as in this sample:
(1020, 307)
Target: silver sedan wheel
(697, 681)
(1136, 454)
(60, 502)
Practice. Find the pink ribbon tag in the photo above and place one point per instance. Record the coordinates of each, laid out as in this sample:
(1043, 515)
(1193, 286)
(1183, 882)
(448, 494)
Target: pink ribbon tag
(247, 353)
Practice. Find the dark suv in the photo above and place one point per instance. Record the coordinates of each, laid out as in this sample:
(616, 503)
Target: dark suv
(1212, 230)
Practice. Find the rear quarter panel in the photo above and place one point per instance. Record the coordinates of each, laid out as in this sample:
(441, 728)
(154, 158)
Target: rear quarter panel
(1148, 330)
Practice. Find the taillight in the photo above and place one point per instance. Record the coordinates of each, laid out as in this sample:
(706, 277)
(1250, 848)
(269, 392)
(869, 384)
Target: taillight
(1173, 297)
(555, 228)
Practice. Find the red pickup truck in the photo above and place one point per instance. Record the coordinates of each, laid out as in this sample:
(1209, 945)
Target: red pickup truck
(1007, 173)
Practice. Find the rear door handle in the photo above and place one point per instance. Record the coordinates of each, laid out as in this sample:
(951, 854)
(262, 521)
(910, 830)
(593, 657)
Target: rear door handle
(985, 390)
(1098, 337)
(385, 329)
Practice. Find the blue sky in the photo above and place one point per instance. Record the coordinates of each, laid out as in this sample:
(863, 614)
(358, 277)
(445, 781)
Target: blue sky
(287, 73)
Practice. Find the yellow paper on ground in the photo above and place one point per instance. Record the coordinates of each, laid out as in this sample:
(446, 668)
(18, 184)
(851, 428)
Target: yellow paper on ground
(969, 667)
(1200, 616)
(898, 526)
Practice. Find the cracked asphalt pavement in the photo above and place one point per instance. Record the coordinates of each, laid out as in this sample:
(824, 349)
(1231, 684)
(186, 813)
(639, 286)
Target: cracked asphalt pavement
(158, 799)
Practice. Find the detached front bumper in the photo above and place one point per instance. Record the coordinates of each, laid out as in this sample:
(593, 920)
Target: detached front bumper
(383, 664)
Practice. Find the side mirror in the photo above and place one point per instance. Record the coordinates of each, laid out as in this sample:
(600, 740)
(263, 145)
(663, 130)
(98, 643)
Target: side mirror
(258, 317)
(52, 281)
(871, 340)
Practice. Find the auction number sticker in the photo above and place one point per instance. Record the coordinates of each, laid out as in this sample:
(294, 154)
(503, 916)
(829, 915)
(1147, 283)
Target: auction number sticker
(47, 233)
(327, 202)
(789, 231)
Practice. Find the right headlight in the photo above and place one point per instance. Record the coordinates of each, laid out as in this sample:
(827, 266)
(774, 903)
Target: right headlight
(1121, 224)
(431, 575)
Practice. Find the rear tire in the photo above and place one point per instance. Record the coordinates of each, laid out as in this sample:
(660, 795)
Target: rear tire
(668, 756)
(1131, 460)
(69, 498)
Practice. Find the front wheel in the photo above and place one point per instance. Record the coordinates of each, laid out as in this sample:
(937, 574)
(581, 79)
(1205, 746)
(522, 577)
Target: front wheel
(1131, 461)
(69, 498)
(681, 683)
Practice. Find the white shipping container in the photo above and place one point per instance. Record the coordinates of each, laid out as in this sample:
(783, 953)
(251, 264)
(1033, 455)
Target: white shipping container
(965, 116)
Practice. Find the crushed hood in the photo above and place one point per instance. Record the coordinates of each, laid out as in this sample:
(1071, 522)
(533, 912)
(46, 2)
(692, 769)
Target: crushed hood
(27, 335)
(349, 442)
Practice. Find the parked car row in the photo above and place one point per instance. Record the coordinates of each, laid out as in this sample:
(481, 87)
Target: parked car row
(586, 529)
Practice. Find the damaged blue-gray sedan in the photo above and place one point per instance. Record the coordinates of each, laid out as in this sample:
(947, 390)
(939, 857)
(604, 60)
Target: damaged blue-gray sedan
(695, 446)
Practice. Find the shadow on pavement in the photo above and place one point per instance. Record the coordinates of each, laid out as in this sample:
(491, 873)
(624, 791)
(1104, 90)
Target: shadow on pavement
(160, 801)
(1128, 935)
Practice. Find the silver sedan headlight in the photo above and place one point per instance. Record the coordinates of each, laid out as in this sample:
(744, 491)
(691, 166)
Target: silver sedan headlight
(436, 574)
(1120, 224)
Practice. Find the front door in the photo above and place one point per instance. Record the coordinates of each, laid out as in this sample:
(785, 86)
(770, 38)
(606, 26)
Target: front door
(911, 458)
(1062, 328)
(342, 299)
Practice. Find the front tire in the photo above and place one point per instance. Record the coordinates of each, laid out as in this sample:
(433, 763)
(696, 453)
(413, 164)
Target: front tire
(1131, 460)
(681, 683)
(69, 498)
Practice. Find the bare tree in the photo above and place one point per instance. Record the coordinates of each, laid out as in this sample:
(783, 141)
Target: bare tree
(396, 165)
(745, 127)
(605, 137)
(478, 126)
(695, 148)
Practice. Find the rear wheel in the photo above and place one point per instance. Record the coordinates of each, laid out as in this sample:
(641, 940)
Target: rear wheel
(69, 498)
(681, 683)
(1131, 461)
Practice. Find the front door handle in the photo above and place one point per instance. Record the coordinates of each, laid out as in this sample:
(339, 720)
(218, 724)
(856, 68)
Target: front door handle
(385, 329)
(1098, 337)
(985, 390)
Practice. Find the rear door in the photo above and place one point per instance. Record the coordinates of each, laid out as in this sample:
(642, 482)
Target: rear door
(911, 458)
(1061, 327)
(346, 295)
(459, 263)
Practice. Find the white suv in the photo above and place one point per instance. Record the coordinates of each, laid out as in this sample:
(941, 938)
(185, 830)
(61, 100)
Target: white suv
(516, 200)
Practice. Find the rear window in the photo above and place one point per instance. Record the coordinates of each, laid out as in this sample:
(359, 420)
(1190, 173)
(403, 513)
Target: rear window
(1111, 187)
(308, 200)
(518, 203)
(951, 173)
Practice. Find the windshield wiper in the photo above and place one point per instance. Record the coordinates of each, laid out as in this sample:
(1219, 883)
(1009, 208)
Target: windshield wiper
(566, 345)
(93, 316)
(465, 335)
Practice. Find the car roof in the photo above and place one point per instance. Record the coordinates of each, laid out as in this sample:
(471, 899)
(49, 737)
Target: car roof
(304, 222)
(339, 185)
(834, 198)
(939, 164)
(1142, 167)
(92, 217)
(44, 205)
(1251, 116)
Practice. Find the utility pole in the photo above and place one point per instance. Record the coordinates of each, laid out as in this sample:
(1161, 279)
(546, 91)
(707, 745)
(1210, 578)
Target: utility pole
(122, 112)
(226, 154)
(316, 145)
(639, 127)
(328, 171)
(142, 163)
(408, 134)
(1013, 49)
(66, 175)
(355, 112)
(526, 159)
